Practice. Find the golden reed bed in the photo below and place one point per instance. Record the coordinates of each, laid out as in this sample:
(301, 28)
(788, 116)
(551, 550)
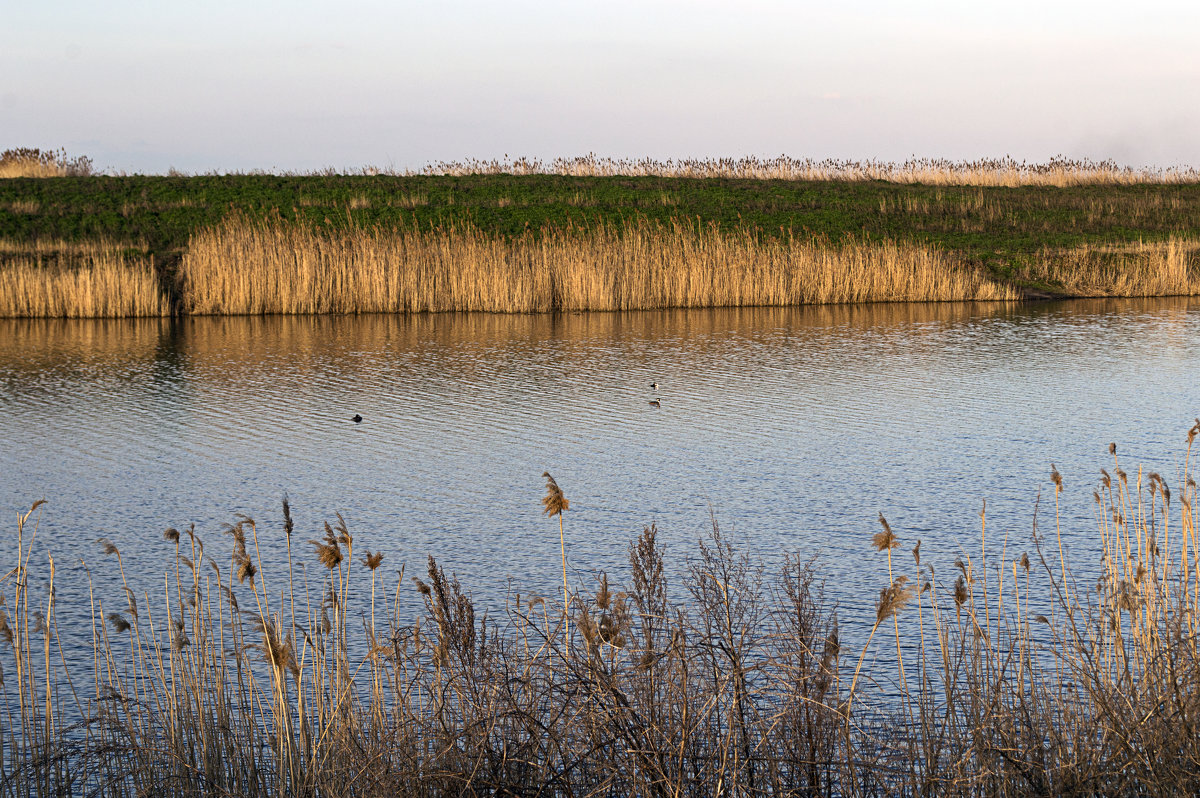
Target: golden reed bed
(244, 266)
(254, 267)
(67, 280)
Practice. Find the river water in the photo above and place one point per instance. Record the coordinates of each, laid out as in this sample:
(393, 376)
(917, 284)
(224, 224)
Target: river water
(792, 427)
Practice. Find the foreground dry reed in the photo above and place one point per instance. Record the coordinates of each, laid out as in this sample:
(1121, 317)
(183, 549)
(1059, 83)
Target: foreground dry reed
(251, 267)
(243, 678)
(85, 280)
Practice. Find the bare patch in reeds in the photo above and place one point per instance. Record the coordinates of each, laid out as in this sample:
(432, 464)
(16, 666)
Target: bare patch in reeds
(246, 266)
(77, 280)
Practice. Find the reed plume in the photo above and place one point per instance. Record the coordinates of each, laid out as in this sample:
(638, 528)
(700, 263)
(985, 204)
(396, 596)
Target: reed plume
(554, 503)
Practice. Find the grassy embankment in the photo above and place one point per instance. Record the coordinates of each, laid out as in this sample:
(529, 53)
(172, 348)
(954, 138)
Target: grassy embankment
(527, 242)
(242, 677)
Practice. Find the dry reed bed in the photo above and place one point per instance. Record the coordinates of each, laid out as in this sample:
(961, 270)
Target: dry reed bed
(246, 266)
(248, 678)
(251, 267)
(33, 162)
(1058, 171)
(77, 280)
(1160, 268)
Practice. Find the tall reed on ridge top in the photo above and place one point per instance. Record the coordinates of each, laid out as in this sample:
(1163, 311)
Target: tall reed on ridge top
(1006, 171)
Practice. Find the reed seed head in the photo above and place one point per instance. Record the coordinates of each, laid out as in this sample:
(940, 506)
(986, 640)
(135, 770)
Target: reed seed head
(344, 537)
(1025, 561)
(238, 533)
(288, 526)
(372, 561)
(833, 646)
(603, 597)
(425, 591)
(1126, 597)
(1106, 479)
(246, 570)
(1056, 478)
(171, 534)
(892, 599)
(118, 622)
(884, 539)
(328, 551)
(917, 552)
(1112, 449)
(108, 547)
(554, 501)
(132, 600)
(278, 651)
(960, 593)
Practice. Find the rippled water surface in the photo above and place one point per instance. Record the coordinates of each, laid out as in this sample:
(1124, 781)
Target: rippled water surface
(793, 427)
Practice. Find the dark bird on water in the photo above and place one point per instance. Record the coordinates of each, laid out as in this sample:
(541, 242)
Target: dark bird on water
(654, 403)
(357, 419)
(654, 386)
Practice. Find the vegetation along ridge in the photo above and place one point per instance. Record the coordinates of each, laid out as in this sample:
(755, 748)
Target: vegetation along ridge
(103, 245)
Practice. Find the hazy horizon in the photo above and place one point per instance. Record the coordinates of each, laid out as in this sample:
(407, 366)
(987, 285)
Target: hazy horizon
(303, 86)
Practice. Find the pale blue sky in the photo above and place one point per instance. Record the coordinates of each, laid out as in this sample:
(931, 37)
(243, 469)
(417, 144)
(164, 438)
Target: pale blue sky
(143, 86)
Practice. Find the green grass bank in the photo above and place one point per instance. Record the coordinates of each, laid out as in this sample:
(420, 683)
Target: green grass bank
(1040, 240)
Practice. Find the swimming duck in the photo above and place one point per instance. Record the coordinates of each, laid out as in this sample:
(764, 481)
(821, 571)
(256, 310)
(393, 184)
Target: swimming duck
(357, 419)
(654, 403)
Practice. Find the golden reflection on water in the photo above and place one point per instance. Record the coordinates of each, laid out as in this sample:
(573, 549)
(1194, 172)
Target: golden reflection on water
(224, 348)
(37, 345)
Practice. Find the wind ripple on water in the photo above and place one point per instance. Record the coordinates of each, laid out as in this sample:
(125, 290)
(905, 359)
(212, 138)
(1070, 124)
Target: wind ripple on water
(795, 427)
